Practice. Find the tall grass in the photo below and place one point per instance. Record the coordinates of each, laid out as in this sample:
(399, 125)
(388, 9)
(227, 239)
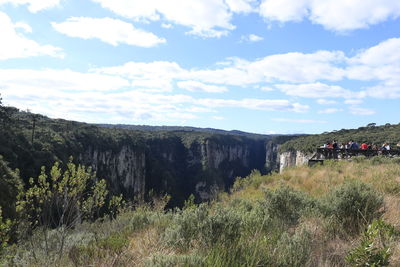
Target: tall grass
(316, 216)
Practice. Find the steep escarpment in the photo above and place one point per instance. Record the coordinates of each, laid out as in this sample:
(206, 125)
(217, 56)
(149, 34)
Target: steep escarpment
(133, 162)
(165, 164)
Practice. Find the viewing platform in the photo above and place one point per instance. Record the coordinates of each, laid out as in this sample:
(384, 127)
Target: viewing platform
(342, 154)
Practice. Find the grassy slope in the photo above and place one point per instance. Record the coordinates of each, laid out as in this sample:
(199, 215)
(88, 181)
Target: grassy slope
(262, 223)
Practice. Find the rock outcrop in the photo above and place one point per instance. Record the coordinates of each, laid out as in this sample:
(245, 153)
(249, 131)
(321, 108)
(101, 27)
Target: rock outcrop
(292, 158)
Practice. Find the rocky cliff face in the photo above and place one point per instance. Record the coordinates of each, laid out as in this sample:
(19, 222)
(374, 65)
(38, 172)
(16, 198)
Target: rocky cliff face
(292, 158)
(125, 168)
(169, 166)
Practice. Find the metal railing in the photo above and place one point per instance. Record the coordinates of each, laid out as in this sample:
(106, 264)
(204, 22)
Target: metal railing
(330, 153)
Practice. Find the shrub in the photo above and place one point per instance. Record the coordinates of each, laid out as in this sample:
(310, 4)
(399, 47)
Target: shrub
(287, 204)
(373, 249)
(354, 204)
(293, 250)
(5, 229)
(186, 226)
(201, 227)
(223, 225)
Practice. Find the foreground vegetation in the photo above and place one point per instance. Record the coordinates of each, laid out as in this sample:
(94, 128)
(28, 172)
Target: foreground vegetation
(342, 213)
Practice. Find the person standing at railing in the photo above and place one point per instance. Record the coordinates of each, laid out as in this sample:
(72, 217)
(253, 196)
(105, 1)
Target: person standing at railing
(364, 146)
(354, 145)
(385, 147)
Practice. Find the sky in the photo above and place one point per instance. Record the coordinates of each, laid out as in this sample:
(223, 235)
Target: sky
(263, 66)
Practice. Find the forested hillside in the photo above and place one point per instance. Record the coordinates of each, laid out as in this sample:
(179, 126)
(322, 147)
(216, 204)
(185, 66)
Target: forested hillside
(370, 134)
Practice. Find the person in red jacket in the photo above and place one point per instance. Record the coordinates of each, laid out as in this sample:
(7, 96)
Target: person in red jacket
(364, 146)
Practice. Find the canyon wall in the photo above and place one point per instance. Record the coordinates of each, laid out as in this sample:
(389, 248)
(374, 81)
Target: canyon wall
(169, 166)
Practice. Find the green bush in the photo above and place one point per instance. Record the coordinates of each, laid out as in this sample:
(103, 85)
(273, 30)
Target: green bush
(353, 205)
(5, 229)
(186, 226)
(293, 250)
(114, 243)
(373, 249)
(287, 205)
(222, 225)
(202, 227)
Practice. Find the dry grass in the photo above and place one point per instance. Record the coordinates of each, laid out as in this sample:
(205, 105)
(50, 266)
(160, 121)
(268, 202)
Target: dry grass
(395, 259)
(392, 210)
(145, 244)
(319, 180)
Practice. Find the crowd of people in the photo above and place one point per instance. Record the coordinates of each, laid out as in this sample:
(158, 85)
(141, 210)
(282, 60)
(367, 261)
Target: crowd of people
(354, 146)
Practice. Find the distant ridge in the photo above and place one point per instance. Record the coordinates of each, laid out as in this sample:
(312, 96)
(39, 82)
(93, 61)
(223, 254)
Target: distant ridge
(186, 129)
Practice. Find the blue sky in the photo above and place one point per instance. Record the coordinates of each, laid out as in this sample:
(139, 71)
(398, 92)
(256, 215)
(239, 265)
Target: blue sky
(264, 66)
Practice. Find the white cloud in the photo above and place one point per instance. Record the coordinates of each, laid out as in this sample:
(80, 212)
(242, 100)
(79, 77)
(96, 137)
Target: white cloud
(379, 63)
(353, 101)
(384, 92)
(299, 121)
(330, 111)
(336, 15)
(290, 67)
(326, 102)
(284, 10)
(29, 81)
(25, 27)
(108, 30)
(299, 74)
(266, 89)
(144, 70)
(314, 90)
(99, 97)
(361, 111)
(33, 5)
(255, 104)
(251, 38)
(167, 25)
(206, 18)
(386, 52)
(14, 44)
(195, 86)
(239, 6)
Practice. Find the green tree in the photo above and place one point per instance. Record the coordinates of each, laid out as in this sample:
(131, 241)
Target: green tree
(5, 230)
(57, 202)
(10, 186)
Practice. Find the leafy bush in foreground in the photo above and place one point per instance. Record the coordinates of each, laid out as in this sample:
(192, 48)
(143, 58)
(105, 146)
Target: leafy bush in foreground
(354, 205)
(287, 204)
(373, 249)
(203, 227)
